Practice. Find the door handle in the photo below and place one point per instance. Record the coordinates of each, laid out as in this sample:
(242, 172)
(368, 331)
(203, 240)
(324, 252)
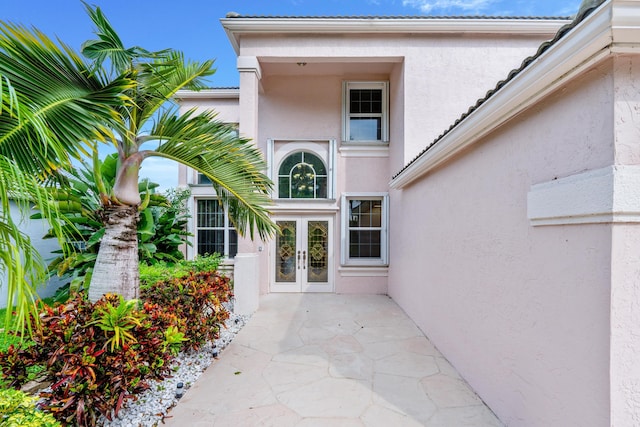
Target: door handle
(304, 259)
(298, 260)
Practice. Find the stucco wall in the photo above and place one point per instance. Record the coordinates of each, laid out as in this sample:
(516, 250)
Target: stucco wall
(35, 229)
(522, 312)
(443, 74)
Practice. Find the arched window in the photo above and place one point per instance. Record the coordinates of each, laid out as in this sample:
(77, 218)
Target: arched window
(302, 175)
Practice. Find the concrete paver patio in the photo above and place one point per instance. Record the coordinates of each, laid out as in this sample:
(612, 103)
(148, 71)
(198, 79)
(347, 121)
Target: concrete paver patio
(330, 360)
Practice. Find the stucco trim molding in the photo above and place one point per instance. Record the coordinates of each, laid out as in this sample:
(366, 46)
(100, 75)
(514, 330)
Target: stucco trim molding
(236, 27)
(216, 93)
(363, 271)
(364, 151)
(608, 195)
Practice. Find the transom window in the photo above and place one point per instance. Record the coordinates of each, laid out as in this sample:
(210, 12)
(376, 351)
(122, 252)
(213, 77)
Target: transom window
(365, 108)
(214, 232)
(364, 229)
(302, 175)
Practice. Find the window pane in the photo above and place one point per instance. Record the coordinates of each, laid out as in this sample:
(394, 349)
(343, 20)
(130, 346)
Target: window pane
(211, 229)
(203, 179)
(210, 214)
(365, 213)
(365, 101)
(233, 243)
(283, 187)
(321, 187)
(210, 241)
(364, 244)
(289, 163)
(315, 163)
(303, 182)
(302, 176)
(365, 128)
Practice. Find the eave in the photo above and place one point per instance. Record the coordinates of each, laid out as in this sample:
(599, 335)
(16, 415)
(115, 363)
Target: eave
(590, 42)
(239, 26)
(215, 93)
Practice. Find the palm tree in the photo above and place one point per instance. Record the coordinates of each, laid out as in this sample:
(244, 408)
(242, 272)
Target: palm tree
(42, 123)
(233, 164)
(144, 113)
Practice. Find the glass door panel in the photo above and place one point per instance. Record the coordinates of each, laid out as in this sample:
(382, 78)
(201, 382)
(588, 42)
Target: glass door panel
(285, 253)
(317, 251)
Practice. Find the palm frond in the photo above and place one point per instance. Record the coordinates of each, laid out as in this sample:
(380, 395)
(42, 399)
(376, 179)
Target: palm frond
(234, 165)
(165, 76)
(23, 265)
(63, 102)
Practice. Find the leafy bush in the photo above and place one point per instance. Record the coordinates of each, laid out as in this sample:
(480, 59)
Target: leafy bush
(150, 274)
(196, 301)
(91, 374)
(99, 355)
(17, 409)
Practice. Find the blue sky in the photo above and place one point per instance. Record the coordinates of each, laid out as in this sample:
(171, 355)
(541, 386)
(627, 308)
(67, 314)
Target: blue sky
(193, 26)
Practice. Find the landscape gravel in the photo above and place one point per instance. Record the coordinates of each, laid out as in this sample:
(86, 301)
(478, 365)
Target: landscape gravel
(151, 406)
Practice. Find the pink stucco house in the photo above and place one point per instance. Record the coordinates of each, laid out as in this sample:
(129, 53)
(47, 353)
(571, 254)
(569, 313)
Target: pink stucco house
(508, 231)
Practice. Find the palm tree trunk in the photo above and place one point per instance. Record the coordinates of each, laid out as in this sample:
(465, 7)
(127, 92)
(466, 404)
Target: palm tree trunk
(116, 268)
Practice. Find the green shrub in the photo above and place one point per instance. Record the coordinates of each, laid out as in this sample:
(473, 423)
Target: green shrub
(150, 274)
(90, 376)
(17, 409)
(196, 302)
(99, 355)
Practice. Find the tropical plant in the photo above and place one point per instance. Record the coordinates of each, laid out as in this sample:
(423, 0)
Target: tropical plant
(196, 300)
(88, 378)
(92, 372)
(43, 121)
(198, 140)
(116, 318)
(161, 230)
(145, 83)
(18, 409)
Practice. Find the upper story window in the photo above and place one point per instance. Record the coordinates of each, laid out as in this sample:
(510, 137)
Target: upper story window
(365, 107)
(302, 175)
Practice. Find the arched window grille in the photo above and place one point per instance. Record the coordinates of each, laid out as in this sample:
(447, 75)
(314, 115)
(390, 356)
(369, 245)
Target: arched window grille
(302, 175)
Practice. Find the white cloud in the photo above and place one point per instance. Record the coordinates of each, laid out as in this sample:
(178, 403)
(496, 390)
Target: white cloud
(428, 6)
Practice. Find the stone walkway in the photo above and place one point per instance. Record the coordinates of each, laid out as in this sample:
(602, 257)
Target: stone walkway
(330, 360)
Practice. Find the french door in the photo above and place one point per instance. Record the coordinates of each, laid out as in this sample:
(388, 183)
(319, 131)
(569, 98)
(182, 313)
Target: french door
(302, 255)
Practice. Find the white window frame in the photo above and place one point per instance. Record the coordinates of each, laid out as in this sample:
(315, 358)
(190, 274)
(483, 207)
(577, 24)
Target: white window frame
(347, 86)
(345, 260)
(313, 146)
(228, 226)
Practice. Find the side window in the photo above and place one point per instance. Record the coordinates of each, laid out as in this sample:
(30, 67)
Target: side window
(302, 175)
(364, 229)
(214, 232)
(365, 107)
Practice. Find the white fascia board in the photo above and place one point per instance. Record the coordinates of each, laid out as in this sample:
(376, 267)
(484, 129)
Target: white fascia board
(607, 195)
(231, 93)
(587, 44)
(235, 27)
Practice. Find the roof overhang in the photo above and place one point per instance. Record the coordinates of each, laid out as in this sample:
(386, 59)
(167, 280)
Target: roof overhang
(239, 26)
(215, 93)
(613, 28)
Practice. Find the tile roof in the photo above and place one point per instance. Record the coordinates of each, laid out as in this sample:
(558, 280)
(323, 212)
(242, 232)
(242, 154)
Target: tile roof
(582, 14)
(377, 17)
